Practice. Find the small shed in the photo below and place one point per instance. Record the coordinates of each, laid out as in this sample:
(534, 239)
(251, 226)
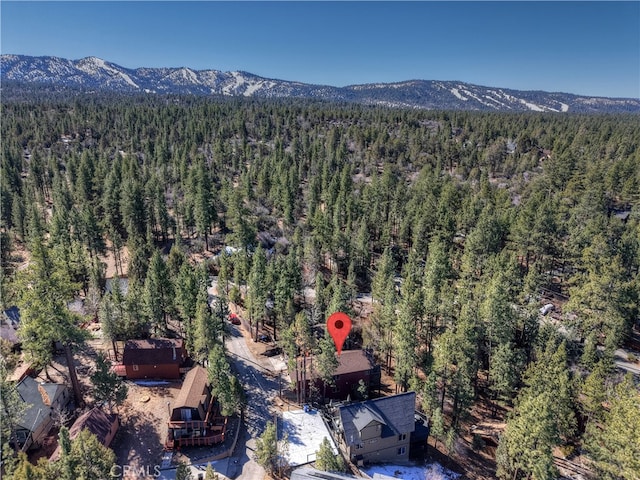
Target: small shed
(154, 358)
(104, 426)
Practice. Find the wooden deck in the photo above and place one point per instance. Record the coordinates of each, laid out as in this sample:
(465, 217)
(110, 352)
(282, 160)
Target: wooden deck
(211, 438)
(210, 431)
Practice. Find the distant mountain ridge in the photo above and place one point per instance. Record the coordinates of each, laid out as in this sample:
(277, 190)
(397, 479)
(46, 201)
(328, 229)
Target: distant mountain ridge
(94, 74)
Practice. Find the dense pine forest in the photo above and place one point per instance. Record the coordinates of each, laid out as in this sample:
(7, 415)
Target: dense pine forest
(458, 226)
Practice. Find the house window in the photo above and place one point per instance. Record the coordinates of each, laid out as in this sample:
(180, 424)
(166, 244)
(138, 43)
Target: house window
(402, 450)
(402, 436)
(135, 367)
(359, 446)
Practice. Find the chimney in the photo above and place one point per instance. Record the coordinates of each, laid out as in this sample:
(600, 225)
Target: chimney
(45, 397)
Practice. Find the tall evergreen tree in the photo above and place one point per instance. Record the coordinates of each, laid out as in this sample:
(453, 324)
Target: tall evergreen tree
(43, 291)
(614, 442)
(267, 448)
(526, 446)
(186, 301)
(107, 385)
(224, 386)
(158, 293)
(207, 329)
(257, 289)
(326, 460)
(543, 418)
(326, 361)
(12, 408)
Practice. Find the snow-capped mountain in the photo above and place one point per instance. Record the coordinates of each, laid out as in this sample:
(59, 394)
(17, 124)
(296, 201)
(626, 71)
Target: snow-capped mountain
(95, 74)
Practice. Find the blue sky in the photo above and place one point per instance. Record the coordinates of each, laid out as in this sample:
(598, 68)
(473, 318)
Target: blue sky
(589, 48)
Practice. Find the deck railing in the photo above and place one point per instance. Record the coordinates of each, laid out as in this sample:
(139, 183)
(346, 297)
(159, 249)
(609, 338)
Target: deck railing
(202, 433)
(206, 440)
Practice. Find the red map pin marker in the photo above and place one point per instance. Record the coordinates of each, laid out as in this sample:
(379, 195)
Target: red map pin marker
(339, 326)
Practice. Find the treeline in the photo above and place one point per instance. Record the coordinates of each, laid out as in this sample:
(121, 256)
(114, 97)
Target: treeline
(458, 224)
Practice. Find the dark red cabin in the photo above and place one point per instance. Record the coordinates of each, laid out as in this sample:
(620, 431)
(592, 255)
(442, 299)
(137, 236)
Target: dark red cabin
(159, 358)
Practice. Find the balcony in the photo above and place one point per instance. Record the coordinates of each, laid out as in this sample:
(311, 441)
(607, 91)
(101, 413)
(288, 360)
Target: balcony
(211, 436)
(196, 433)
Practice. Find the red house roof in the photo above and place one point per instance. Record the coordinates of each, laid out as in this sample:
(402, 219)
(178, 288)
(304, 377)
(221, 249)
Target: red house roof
(154, 351)
(351, 361)
(101, 424)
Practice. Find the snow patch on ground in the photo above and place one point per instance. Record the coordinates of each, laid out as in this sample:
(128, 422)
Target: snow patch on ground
(456, 92)
(252, 88)
(372, 86)
(532, 106)
(242, 85)
(434, 471)
(506, 96)
(189, 75)
(239, 81)
(126, 78)
(93, 64)
(208, 77)
(477, 98)
(305, 430)
(493, 92)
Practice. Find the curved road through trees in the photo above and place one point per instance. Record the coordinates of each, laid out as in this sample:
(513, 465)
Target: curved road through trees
(261, 388)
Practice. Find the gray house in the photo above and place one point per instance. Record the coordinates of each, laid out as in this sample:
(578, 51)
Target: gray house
(42, 400)
(377, 430)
